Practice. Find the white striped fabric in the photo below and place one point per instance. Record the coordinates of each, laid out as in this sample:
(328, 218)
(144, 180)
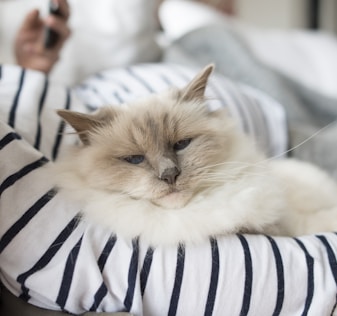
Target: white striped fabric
(51, 259)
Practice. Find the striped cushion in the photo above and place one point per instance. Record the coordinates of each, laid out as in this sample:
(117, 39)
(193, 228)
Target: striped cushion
(52, 260)
(256, 113)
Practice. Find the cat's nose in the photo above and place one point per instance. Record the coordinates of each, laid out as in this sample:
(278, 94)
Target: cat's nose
(170, 175)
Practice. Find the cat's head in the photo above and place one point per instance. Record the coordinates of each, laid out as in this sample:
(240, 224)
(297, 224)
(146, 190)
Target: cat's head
(162, 149)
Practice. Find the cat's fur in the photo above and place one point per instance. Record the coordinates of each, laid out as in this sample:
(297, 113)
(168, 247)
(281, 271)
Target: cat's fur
(212, 183)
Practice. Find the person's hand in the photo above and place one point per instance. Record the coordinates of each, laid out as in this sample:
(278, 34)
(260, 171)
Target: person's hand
(29, 42)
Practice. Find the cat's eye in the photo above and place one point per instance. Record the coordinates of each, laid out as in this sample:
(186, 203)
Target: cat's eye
(134, 159)
(182, 144)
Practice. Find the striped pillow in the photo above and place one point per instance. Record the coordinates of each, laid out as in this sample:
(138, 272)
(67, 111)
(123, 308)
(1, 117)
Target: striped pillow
(50, 259)
(257, 114)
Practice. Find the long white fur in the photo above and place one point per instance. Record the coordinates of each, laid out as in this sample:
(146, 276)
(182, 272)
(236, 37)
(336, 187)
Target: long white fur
(245, 192)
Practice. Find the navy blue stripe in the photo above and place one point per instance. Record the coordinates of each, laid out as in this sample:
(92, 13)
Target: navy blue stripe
(178, 281)
(310, 280)
(183, 75)
(133, 268)
(260, 116)
(100, 95)
(332, 263)
(68, 275)
(144, 273)
(178, 71)
(106, 252)
(25, 219)
(120, 84)
(102, 291)
(253, 116)
(249, 276)
(214, 278)
(217, 93)
(47, 256)
(141, 80)
(12, 113)
(99, 296)
(8, 139)
(331, 256)
(41, 103)
(61, 128)
(334, 308)
(25, 293)
(240, 106)
(230, 96)
(58, 139)
(166, 79)
(91, 107)
(21, 173)
(280, 276)
(118, 98)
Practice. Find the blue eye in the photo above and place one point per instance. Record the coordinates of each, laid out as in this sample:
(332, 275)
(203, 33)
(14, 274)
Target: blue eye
(182, 144)
(134, 159)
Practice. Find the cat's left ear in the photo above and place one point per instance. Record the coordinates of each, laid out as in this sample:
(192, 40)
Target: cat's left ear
(196, 88)
(84, 123)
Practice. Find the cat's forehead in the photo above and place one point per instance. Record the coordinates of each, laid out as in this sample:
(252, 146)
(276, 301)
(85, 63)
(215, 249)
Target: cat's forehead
(151, 112)
(152, 124)
(156, 121)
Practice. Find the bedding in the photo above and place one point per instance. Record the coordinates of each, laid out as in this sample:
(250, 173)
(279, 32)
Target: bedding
(51, 259)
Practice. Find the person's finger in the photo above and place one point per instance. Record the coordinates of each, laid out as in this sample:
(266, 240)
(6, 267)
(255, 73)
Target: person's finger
(58, 25)
(64, 8)
(41, 53)
(31, 20)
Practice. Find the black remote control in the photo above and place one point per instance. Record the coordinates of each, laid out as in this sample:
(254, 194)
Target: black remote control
(51, 37)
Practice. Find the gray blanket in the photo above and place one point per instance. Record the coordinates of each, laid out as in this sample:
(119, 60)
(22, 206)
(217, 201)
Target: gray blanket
(311, 116)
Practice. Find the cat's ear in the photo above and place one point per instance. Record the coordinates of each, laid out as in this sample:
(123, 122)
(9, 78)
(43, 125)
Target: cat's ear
(196, 88)
(84, 123)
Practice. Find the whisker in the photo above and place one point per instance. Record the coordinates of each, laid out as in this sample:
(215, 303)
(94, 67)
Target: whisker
(245, 164)
(301, 143)
(228, 177)
(261, 162)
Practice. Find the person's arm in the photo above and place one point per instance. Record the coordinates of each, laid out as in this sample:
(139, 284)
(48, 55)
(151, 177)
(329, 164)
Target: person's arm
(29, 47)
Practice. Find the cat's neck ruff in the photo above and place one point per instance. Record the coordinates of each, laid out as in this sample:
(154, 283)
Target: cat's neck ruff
(239, 205)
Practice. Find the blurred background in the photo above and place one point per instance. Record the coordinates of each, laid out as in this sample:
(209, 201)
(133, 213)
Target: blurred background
(286, 14)
(295, 37)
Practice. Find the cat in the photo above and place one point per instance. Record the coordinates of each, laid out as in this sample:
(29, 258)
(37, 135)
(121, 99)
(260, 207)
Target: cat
(168, 170)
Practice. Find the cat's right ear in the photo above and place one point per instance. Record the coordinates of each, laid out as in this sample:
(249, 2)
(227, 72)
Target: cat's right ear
(84, 123)
(196, 88)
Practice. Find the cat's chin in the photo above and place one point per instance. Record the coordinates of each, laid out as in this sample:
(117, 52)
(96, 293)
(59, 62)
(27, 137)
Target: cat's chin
(174, 200)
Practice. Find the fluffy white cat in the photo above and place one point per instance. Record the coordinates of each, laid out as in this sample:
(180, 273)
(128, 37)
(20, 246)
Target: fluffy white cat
(168, 170)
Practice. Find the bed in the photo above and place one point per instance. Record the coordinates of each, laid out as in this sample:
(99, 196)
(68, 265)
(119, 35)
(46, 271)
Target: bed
(50, 259)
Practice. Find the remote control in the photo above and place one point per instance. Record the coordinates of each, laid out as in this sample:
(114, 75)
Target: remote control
(51, 37)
